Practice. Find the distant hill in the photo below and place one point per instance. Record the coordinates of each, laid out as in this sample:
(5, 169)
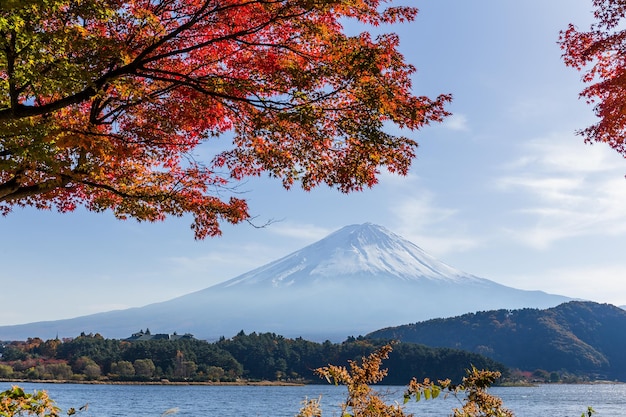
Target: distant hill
(356, 280)
(579, 337)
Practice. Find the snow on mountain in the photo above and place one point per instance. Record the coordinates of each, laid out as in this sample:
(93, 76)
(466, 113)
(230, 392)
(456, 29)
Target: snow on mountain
(359, 279)
(365, 250)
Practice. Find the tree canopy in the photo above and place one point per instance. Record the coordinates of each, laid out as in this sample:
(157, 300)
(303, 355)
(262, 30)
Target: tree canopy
(601, 53)
(103, 103)
(256, 356)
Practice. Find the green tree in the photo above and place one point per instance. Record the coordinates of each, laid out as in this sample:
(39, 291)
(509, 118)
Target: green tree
(92, 371)
(60, 371)
(49, 348)
(5, 371)
(79, 364)
(144, 368)
(214, 373)
(189, 369)
(102, 351)
(13, 353)
(123, 369)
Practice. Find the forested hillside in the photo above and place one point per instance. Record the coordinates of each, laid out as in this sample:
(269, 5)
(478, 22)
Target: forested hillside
(581, 338)
(264, 356)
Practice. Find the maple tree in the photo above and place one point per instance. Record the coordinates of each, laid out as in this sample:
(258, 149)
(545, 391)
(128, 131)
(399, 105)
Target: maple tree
(601, 53)
(103, 103)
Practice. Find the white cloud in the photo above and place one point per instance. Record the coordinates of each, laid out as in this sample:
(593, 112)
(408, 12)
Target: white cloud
(220, 265)
(562, 189)
(457, 122)
(540, 236)
(419, 211)
(305, 232)
(420, 220)
(568, 153)
(569, 189)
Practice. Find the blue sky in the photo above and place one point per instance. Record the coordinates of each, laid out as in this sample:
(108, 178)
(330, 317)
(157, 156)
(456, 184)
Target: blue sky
(504, 189)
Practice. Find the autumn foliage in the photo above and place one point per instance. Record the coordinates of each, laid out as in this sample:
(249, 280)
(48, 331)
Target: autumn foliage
(16, 402)
(601, 53)
(364, 401)
(105, 103)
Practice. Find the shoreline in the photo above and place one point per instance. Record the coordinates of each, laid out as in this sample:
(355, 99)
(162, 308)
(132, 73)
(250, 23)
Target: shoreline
(162, 382)
(243, 383)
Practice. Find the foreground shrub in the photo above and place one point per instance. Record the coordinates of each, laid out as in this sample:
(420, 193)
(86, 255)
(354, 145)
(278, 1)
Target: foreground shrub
(16, 402)
(363, 401)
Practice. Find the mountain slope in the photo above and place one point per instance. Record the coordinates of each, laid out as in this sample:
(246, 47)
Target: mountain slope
(358, 251)
(355, 280)
(581, 337)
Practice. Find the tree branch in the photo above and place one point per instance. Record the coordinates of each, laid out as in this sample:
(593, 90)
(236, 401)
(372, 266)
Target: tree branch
(12, 190)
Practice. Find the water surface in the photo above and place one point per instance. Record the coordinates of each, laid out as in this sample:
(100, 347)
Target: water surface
(279, 401)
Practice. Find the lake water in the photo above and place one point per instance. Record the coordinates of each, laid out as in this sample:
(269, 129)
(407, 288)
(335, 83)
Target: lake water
(272, 401)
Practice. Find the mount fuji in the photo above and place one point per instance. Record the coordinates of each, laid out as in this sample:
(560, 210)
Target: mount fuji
(358, 279)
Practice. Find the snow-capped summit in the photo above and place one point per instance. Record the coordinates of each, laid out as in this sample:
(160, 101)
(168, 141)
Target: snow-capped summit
(357, 280)
(366, 251)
